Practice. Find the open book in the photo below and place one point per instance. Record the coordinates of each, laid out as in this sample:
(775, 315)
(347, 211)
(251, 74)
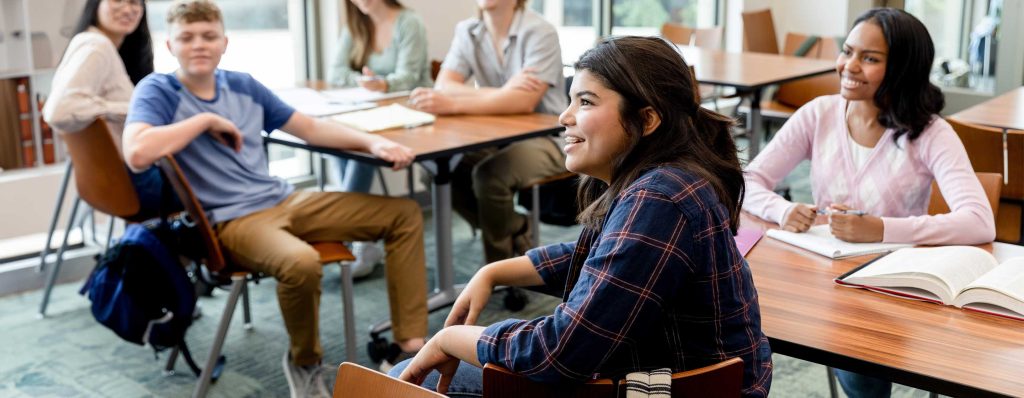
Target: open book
(961, 276)
(385, 117)
(819, 239)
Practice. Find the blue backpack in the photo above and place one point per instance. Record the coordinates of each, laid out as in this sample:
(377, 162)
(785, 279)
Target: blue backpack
(141, 291)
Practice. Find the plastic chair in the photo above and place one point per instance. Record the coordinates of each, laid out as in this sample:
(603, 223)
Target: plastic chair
(225, 272)
(357, 381)
(721, 380)
(102, 181)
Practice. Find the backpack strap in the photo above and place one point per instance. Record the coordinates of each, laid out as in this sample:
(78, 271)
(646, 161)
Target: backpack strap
(218, 368)
(806, 46)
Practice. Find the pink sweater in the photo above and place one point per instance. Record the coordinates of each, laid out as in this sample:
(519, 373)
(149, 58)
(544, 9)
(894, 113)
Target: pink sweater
(894, 183)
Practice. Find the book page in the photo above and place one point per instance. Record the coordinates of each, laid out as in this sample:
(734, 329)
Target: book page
(312, 103)
(819, 239)
(385, 117)
(359, 94)
(954, 266)
(1007, 278)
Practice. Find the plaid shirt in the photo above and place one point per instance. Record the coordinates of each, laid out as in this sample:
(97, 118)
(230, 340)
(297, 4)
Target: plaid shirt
(661, 285)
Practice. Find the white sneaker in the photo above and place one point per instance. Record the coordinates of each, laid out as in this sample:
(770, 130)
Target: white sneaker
(368, 255)
(305, 381)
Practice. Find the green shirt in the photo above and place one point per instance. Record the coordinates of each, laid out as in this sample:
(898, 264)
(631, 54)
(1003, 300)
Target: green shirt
(403, 63)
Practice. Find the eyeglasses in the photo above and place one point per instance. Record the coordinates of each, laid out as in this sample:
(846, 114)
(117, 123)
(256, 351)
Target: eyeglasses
(123, 3)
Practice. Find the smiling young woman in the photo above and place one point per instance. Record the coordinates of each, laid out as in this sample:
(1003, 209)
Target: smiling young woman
(876, 147)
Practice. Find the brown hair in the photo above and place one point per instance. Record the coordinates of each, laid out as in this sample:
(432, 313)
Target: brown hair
(361, 27)
(189, 11)
(649, 72)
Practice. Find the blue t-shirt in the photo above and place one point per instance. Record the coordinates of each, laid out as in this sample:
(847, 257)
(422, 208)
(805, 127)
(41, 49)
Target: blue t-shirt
(228, 184)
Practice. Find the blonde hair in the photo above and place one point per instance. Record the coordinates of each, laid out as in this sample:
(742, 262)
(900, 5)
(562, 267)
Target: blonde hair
(189, 11)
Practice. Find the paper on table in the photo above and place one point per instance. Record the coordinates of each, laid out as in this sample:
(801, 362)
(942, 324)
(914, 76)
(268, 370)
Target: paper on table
(312, 103)
(819, 239)
(359, 94)
(385, 117)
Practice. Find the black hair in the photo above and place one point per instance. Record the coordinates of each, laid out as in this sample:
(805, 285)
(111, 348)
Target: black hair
(137, 49)
(906, 99)
(649, 72)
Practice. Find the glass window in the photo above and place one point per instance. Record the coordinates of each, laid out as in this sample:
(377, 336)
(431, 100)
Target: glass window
(261, 43)
(574, 20)
(965, 35)
(645, 17)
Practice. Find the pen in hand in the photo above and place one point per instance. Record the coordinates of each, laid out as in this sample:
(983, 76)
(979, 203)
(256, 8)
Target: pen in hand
(830, 211)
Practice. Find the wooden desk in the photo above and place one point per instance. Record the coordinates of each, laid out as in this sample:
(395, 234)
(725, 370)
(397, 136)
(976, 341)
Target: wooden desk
(923, 345)
(438, 148)
(752, 72)
(1004, 112)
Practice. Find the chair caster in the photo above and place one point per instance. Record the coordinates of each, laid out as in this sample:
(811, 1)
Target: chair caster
(515, 299)
(377, 348)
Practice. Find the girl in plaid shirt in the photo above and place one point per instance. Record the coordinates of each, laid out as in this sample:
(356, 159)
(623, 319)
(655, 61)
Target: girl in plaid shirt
(655, 279)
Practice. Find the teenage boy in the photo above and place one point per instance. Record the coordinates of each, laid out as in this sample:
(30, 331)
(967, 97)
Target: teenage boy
(211, 121)
(514, 57)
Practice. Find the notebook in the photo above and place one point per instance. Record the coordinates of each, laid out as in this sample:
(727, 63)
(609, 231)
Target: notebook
(819, 240)
(312, 103)
(746, 238)
(384, 118)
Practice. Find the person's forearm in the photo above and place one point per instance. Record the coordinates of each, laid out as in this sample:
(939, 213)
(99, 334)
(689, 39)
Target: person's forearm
(335, 135)
(146, 146)
(496, 102)
(460, 342)
(516, 271)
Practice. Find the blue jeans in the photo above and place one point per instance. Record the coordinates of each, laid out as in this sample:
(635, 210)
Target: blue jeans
(856, 385)
(468, 380)
(353, 175)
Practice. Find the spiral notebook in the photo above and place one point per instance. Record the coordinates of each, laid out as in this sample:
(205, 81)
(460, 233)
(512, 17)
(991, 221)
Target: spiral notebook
(819, 240)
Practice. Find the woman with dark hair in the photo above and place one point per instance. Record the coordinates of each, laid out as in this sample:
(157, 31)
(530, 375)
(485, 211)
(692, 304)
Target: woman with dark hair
(382, 48)
(876, 147)
(655, 279)
(110, 52)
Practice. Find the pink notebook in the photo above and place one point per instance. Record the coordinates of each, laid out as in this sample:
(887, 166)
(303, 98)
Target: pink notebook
(746, 238)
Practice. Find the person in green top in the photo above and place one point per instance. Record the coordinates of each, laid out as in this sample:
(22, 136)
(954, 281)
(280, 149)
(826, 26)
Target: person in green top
(383, 48)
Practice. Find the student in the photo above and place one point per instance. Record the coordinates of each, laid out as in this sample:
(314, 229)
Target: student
(876, 147)
(210, 120)
(383, 48)
(514, 57)
(110, 52)
(655, 279)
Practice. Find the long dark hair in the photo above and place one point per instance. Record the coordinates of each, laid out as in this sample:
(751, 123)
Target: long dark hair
(137, 49)
(648, 72)
(360, 26)
(906, 100)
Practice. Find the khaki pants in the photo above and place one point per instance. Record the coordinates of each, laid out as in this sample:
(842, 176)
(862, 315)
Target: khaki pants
(484, 182)
(273, 241)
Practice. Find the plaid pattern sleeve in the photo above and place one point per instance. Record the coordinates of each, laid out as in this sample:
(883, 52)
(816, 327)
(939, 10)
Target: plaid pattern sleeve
(552, 263)
(661, 285)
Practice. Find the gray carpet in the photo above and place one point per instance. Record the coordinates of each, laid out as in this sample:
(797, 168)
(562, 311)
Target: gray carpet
(69, 354)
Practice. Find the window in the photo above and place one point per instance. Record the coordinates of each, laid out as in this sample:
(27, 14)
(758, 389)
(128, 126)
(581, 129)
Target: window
(963, 32)
(574, 20)
(262, 43)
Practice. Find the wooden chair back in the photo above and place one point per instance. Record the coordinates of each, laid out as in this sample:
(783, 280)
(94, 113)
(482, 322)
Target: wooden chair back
(759, 32)
(991, 183)
(721, 380)
(215, 260)
(984, 147)
(676, 33)
(708, 37)
(797, 93)
(357, 381)
(100, 174)
(435, 69)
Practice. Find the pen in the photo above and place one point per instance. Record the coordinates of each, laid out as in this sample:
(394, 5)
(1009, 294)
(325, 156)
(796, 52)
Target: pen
(827, 211)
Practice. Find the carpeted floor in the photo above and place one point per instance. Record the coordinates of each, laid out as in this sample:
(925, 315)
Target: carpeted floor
(69, 354)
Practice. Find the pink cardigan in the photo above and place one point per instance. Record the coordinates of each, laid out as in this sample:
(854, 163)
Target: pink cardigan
(894, 183)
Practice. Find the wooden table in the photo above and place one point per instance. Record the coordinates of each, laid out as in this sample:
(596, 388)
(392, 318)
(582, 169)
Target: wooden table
(438, 147)
(933, 347)
(752, 73)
